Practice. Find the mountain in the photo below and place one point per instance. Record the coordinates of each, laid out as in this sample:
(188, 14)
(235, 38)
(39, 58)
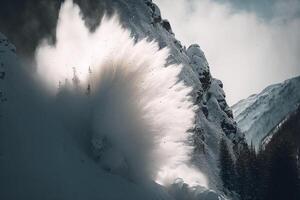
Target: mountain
(260, 114)
(287, 130)
(59, 153)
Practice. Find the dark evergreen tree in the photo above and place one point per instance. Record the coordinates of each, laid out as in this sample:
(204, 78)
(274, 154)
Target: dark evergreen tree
(283, 173)
(242, 170)
(227, 168)
(248, 173)
(262, 174)
(298, 161)
(75, 79)
(273, 172)
(252, 186)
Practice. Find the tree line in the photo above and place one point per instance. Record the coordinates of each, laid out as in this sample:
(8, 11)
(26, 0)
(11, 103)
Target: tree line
(271, 173)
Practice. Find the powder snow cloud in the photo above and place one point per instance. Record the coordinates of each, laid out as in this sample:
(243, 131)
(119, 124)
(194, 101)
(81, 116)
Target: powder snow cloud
(139, 113)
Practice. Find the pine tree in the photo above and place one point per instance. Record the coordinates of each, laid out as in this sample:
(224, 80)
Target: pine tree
(254, 183)
(298, 161)
(283, 179)
(263, 174)
(88, 89)
(75, 78)
(242, 170)
(227, 169)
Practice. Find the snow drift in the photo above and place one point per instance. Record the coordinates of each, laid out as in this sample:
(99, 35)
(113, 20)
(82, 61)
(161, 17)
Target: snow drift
(136, 111)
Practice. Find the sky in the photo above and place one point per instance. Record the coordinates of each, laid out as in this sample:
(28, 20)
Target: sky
(248, 44)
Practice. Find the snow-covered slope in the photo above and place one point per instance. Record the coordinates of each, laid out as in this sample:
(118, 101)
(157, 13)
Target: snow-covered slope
(287, 129)
(40, 158)
(214, 118)
(259, 114)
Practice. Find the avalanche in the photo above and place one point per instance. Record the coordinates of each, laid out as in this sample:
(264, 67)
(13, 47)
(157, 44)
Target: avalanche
(100, 102)
(138, 103)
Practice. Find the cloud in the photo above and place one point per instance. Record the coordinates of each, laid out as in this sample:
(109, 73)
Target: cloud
(245, 51)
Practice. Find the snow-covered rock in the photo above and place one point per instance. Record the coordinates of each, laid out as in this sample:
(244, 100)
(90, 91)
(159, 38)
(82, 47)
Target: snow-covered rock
(257, 115)
(182, 191)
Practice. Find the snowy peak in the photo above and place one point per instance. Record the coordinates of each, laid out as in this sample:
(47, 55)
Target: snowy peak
(257, 115)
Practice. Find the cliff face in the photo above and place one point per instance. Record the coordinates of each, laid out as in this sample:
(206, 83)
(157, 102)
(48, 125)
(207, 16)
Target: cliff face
(37, 20)
(259, 114)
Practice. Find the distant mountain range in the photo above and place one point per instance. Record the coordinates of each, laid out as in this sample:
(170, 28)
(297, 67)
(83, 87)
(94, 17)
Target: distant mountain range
(261, 115)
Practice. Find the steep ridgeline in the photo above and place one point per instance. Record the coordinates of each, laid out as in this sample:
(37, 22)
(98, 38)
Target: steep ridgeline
(214, 117)
(260, 114)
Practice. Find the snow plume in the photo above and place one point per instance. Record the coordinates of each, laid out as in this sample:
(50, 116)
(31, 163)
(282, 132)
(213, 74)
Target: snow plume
(137, 111)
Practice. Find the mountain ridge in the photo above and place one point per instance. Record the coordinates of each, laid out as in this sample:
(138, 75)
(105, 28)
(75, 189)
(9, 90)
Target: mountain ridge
(257, 115)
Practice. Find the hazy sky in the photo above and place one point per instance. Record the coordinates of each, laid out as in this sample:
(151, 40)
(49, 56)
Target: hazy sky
(248, 44)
